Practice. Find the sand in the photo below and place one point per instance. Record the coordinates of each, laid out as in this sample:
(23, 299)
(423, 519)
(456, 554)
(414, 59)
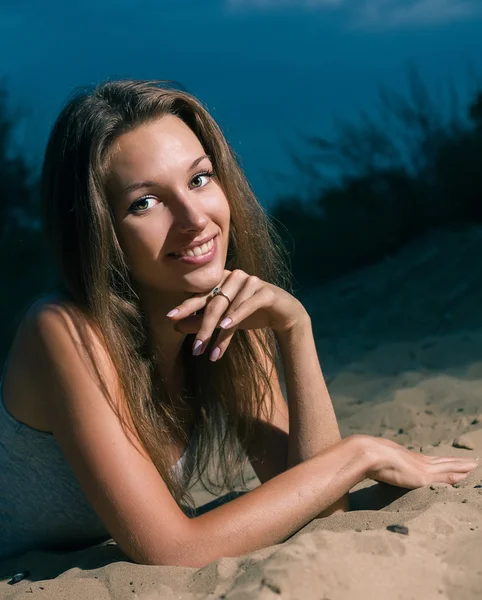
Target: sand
(414, 380)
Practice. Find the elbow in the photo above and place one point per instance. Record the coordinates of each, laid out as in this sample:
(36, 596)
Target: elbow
(192, 548)
(168, 559)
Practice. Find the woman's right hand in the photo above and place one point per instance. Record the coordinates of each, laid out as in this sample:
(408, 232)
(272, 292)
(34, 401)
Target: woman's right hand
(398, 466)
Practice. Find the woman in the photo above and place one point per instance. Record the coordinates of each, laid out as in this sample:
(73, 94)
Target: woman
(160, 349)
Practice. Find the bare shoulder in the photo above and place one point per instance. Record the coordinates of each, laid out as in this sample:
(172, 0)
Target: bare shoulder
(22, 382)
(69, 358)
(52, 318)
(114, 470)
(55, 331)
(52, 314)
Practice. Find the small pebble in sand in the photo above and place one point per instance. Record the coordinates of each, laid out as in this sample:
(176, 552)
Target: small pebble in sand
(18, 577)
(464, 442)
(398, 529)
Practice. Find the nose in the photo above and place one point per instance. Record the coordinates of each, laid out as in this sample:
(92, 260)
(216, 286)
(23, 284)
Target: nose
(188, 213)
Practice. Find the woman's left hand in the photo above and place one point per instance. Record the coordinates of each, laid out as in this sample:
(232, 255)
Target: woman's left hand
(255, 304)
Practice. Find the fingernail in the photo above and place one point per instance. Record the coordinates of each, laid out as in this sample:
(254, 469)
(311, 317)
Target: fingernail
(173, 312)
(225, 322)
(196, 350)
(215, 354)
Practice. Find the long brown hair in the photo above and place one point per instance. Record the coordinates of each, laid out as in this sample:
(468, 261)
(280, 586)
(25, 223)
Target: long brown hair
(94, 275)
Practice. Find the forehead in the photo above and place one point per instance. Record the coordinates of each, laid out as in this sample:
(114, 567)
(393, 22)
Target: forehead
(155, 147)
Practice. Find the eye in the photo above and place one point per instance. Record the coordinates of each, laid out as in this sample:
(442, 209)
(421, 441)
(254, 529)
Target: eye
(208, 174)
(134, 207)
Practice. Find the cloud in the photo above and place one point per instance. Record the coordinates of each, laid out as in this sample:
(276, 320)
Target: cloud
(272, 5)
(391, 13)
(376, 13)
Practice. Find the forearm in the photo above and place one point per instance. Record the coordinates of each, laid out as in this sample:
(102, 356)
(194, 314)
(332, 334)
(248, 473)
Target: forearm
(276, 509)
(312, 420)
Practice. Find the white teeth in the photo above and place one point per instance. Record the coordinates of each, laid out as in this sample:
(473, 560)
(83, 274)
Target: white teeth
(198, 250)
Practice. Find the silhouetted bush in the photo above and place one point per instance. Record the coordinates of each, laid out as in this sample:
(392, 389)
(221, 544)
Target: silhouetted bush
(417, 167)
(414, 168)
(26, 270)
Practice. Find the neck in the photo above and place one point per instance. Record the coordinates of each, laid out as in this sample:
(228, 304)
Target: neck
(166, 342)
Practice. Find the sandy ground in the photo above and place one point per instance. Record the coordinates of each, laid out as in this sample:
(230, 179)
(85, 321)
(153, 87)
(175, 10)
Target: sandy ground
(399, 365)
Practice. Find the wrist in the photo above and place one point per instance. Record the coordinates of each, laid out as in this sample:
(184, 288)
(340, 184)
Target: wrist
(300, 324)
(366, 450)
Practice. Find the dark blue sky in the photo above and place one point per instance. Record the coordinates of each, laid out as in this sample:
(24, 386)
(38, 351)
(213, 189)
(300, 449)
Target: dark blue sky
(266, 69)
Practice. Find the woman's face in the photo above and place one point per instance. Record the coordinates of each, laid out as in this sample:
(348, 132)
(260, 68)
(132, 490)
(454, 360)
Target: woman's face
(180, 205)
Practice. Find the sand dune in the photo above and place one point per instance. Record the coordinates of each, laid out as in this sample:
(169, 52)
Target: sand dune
(419, 387)
(343, 556)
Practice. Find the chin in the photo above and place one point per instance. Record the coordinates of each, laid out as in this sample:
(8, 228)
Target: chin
(199, 283)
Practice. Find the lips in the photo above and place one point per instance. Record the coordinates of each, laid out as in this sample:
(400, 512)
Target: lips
(197, 260)
(191, 246)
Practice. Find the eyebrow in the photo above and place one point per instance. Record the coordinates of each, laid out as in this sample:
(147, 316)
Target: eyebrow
(147, 184)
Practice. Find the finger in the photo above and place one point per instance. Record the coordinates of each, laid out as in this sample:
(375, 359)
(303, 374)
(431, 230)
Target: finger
(437, 459)
(441, 459)
(195, 303)
(190, 324)
(247, 308)
(187, 308)
(217, 306)
(452, 478)
(251, 286)
(224, 338)
(221, 347)
(458, 466)
(212, 314)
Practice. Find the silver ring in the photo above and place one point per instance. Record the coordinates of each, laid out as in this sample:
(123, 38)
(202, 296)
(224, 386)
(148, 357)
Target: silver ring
(219, 292)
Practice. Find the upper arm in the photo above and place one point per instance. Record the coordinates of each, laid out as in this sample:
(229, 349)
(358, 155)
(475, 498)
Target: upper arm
(268, 451)
(116, 474)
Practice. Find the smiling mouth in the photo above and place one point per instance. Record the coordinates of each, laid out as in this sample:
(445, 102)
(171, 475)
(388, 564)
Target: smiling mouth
(201, 250)
(199, 255)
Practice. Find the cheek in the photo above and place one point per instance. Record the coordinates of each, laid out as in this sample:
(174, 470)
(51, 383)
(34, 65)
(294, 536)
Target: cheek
(224, 212)
(141, 242)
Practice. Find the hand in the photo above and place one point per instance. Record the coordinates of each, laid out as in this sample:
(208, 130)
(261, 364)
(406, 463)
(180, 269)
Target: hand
(255, 304)
(398, 466)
